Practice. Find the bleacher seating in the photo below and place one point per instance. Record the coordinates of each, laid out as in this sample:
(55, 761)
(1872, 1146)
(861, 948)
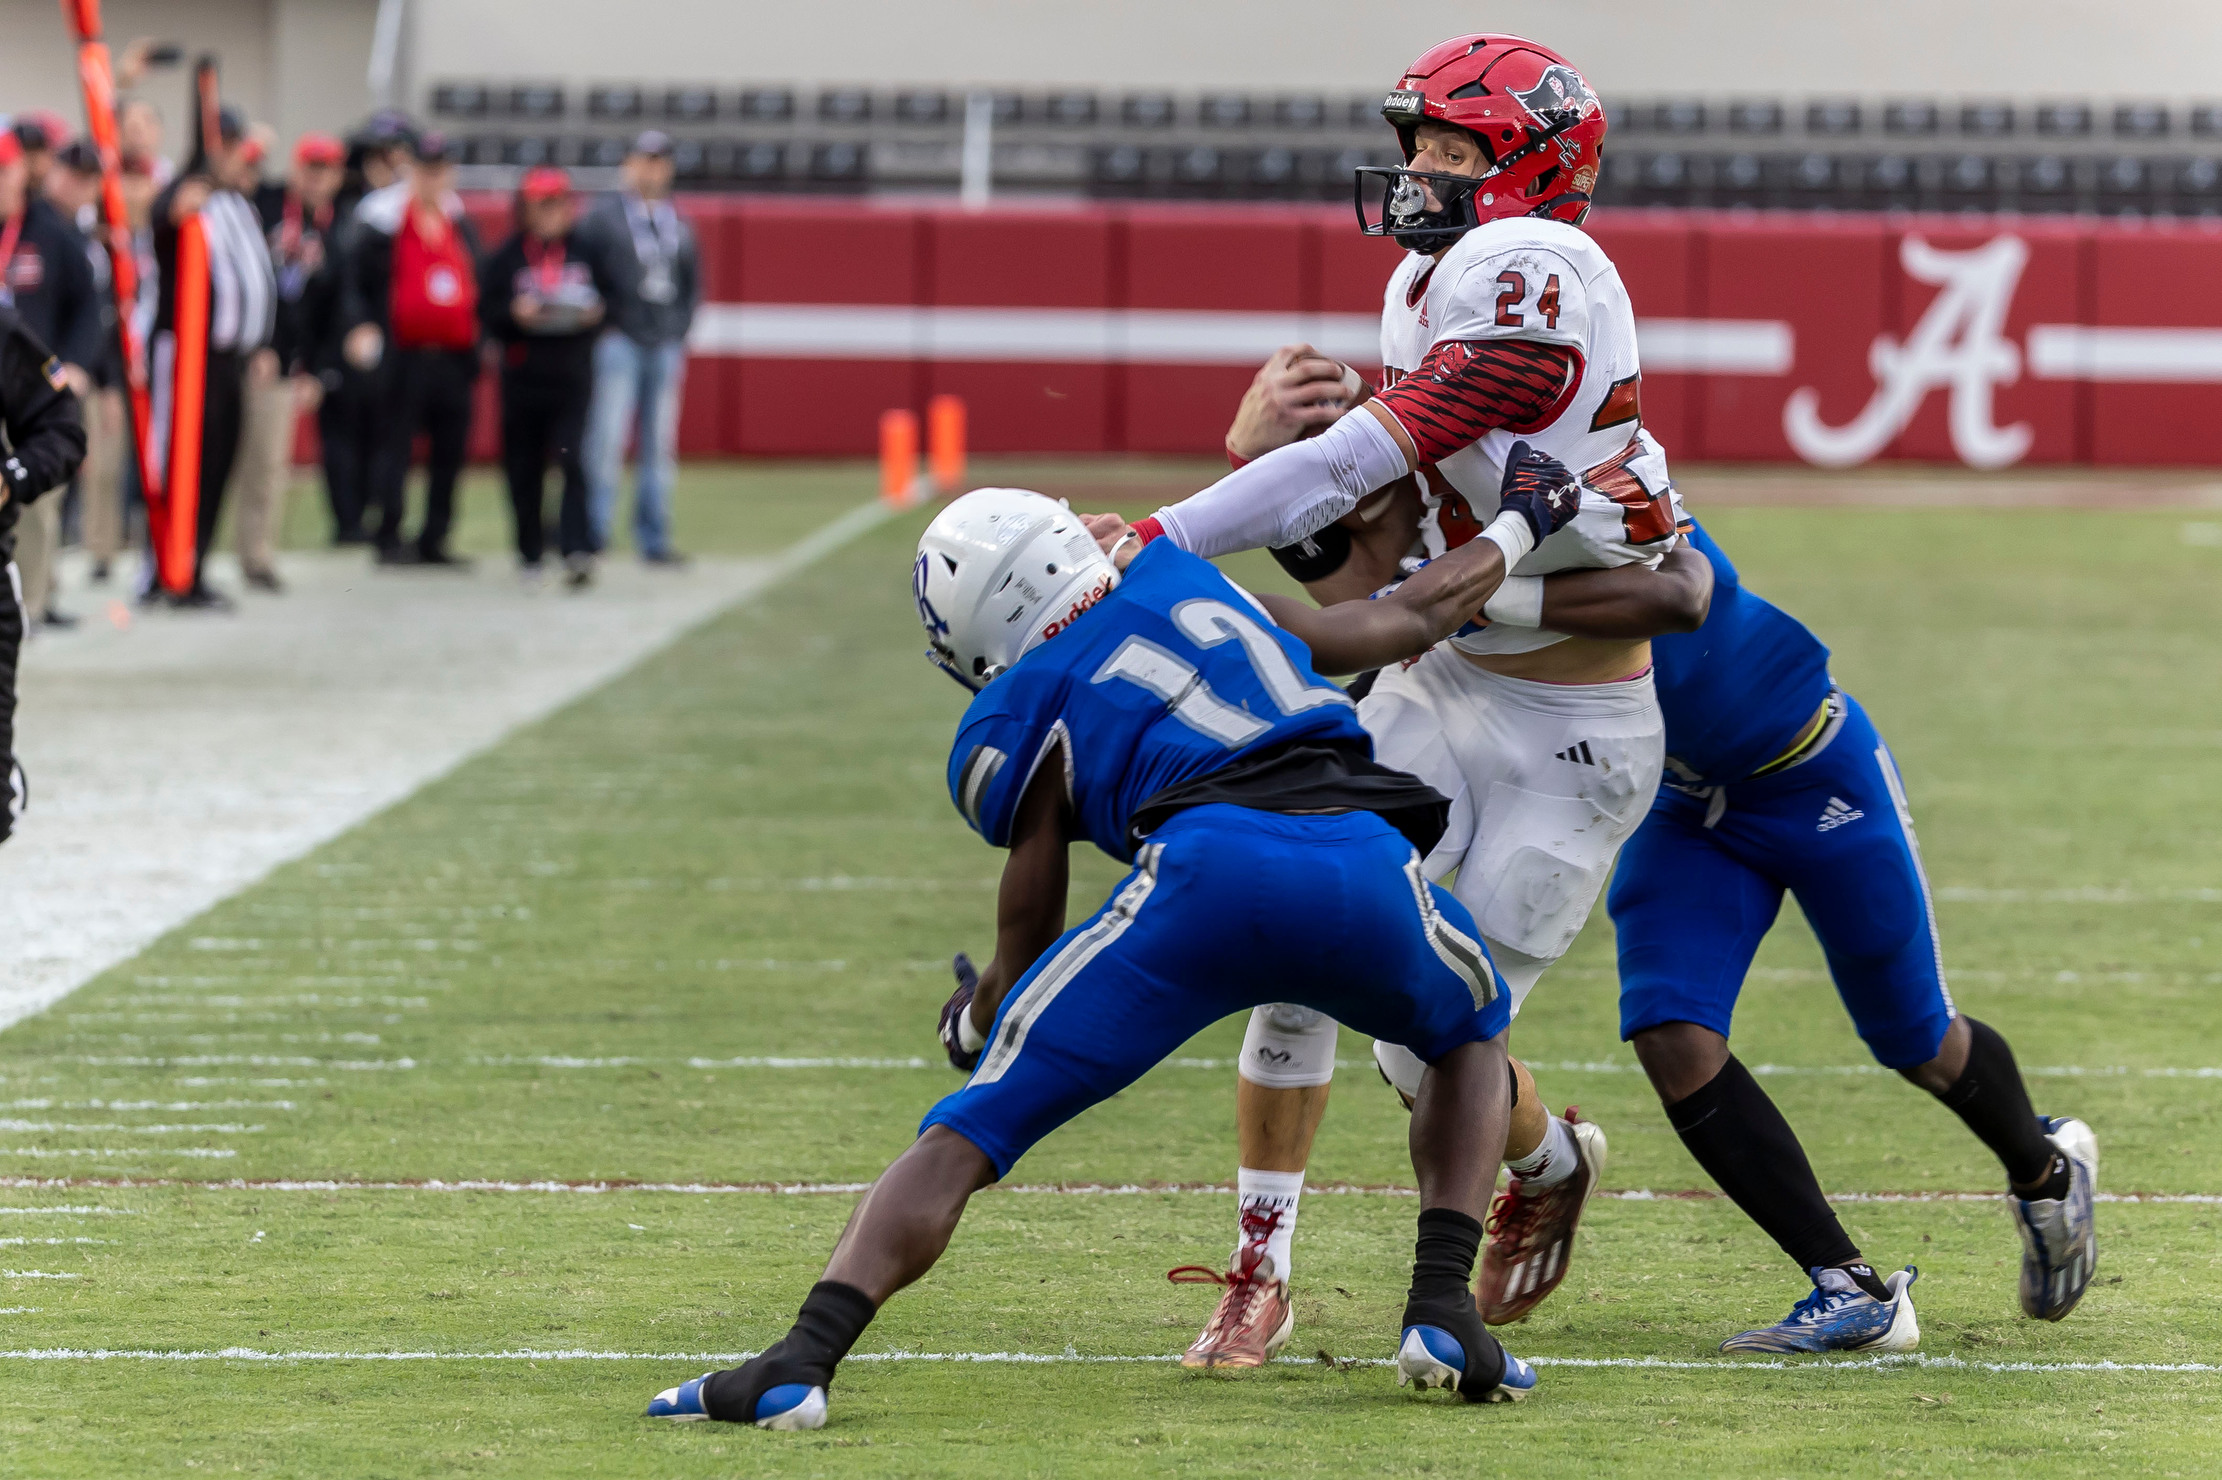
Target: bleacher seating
(2046, 155)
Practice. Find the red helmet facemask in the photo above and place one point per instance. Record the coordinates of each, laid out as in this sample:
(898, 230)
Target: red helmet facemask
(1535, 118)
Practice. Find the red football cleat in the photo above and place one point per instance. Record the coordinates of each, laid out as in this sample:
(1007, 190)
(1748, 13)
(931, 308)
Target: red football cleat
(1531, 1236)
(1254, 1317)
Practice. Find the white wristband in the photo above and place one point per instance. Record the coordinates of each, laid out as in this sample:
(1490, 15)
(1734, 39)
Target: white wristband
(971, 1039)
(1518, 602)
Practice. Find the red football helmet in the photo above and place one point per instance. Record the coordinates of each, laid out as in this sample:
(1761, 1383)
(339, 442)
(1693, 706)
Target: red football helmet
(1536, 118)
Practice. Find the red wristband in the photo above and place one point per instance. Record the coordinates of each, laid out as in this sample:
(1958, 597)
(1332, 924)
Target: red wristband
(1236, 459)
(1149, 529)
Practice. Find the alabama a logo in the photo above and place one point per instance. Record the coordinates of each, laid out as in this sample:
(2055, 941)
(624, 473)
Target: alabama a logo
(1959, 346)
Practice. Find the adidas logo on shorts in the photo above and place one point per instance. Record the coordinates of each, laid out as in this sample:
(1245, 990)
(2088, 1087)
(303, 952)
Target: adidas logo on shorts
(1837, 813)
(1578, 753)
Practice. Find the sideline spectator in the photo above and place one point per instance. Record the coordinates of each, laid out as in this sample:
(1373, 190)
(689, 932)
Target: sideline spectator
(47, 278)
(296, 221)
(412, 315)
(640, 362)
(44, 445)
(242, 313)
(73, 186)
(378, 156)
(545, 292)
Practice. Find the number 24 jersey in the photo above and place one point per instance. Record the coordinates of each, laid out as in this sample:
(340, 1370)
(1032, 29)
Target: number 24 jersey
(1545, 282)
(1173, 675)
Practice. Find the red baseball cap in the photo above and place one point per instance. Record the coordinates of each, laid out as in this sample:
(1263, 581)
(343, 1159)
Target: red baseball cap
(10, 150)
(545, 183)
(315, 148)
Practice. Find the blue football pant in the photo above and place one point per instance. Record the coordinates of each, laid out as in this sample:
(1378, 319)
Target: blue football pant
(1228, 908)
(1700, 884)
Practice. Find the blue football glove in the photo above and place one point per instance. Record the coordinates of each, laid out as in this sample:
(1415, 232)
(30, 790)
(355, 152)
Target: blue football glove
(1538, 487)
(960, 1003)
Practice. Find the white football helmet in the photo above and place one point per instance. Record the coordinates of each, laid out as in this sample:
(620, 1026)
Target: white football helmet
(999, 572)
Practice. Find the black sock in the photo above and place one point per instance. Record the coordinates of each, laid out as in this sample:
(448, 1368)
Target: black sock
(1991, 1098)
(1443, 1257)
(832, 1317)
(1745, 1145)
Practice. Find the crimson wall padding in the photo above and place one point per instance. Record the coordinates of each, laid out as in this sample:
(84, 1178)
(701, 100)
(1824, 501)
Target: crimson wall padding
(1769, 337)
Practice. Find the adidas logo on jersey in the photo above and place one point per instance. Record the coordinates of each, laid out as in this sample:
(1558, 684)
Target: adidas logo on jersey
(1837, 813)
(1578, 753)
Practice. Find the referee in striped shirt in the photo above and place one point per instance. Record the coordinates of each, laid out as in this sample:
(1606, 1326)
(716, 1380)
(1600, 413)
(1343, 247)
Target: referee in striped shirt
(242, 315)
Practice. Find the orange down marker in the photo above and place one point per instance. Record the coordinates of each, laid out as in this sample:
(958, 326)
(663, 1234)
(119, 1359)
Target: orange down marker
(945, 442)
(898, 456)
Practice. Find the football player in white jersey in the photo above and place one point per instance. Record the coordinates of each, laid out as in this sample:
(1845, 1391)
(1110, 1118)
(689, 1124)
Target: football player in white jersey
(1506, 322)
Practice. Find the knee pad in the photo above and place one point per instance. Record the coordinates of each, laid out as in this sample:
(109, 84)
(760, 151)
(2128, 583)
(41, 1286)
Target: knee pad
(1400, 1066)
(1288, 1047)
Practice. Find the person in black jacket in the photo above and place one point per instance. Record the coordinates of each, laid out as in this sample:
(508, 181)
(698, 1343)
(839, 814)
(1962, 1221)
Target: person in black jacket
(41, 444)
(544, 294)
(46, 274)
(409, 312)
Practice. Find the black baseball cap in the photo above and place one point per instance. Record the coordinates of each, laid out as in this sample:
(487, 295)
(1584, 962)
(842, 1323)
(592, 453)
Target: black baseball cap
(433, 147)
(388, 128)
(653, 143)
(231, 124)
(79, 155)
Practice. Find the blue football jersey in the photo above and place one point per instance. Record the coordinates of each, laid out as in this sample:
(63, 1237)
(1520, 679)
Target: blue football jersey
(1738, 690)
(1172, 676)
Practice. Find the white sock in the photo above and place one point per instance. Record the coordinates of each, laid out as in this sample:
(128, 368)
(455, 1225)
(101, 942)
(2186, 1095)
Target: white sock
(1550, 1163)
(1268, 1213)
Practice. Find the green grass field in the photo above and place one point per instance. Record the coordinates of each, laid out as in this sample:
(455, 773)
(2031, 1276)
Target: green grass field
(543, 966)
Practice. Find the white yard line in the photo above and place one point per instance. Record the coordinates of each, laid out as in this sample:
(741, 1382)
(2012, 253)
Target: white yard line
(850, 1189)
(1885, 1363)
(176, 758)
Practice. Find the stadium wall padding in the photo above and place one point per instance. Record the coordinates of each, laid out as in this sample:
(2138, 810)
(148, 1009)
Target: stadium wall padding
(1767, 337)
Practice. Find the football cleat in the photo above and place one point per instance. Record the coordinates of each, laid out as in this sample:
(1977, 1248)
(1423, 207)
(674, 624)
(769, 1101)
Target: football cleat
(2059, 1235)
(1254, 1318)
(681, 1404)
(953, 1013)
(1434, 1354)
(1841, 1317)
(1531, 1235)
(791, 1405)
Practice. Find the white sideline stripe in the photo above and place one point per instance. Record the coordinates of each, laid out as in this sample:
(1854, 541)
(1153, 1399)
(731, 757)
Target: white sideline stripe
(12, 1243)
(2082, 894)
(2086, 352)
(1030, 1189)
(34, 1274)
(852, 331)
(1563, 1066)
(1069, 1357)
(115, 852)
(105, 1153)
(73, 1212)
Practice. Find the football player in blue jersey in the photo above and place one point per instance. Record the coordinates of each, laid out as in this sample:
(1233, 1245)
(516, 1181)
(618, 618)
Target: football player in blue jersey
(1154, 709)
(1777, 781)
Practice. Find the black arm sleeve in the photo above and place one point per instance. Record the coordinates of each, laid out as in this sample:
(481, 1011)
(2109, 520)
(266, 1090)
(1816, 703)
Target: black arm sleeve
(45, 439)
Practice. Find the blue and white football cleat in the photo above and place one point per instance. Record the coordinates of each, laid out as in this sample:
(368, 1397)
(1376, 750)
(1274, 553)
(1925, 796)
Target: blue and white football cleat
(1432, 1357)
(1841, 1317)
(681, 1404)
(2059, 1239)
(792, 1405)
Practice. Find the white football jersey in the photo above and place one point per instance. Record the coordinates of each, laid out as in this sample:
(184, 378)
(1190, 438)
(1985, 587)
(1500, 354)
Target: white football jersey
(1541, 280)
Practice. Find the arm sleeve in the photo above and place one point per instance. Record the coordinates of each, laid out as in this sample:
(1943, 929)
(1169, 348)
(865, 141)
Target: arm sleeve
(46, 440)
(1466, 388)
(1289, 494)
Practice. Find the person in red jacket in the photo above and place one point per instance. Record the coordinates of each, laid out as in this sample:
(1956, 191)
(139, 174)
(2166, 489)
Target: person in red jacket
(411, 304)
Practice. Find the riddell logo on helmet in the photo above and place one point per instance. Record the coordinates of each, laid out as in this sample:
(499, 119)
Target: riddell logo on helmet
(1400, 101)
(1087, 598)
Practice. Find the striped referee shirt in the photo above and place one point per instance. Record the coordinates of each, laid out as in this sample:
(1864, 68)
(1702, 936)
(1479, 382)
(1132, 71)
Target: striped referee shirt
(242, 287)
